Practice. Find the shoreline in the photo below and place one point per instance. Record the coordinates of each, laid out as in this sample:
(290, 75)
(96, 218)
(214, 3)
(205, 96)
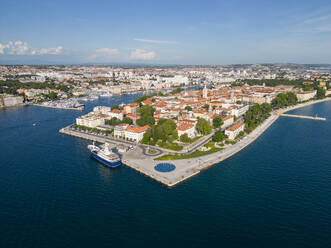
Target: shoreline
(186, 168)
(55, 107)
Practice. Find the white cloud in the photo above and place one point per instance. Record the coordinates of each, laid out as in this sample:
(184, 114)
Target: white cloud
(315, 23)
(2, 48)
(22, 48)
(55, 50)
(155, 41)
(105, 54)
(107, 51)
(140, 54)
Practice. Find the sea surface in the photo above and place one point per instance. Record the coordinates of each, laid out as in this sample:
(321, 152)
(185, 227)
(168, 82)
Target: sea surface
(274, 193)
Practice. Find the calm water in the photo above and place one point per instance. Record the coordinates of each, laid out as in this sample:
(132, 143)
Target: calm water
(275, 193)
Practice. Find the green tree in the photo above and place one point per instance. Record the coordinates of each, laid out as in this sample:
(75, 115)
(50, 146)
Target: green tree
(113, 121)
(141, 122)
(320, 93)
(146, 110)
(219, 136)
(203, 126)
(52, 95)
(206, 106)
(217, 122)
(184, 138)
(127, 120)
(188, 108)
(255, 115)
(146, 138)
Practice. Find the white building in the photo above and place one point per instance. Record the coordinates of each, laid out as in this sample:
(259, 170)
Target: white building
(233, 131)
(227, 121)
(119, 130)
(102, 110)
(90, 121)
(239, 110)
(306, 95)
(115, 113)
(189, 129)
(135, 133)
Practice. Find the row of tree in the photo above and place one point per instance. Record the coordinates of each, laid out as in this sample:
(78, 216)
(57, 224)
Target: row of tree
(284, 100)
(11, 86)
(255, 115)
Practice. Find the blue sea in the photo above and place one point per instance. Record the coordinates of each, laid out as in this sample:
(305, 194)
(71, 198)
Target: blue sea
(274, 193)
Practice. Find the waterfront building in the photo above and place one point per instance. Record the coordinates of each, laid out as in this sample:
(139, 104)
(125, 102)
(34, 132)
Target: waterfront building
(233, 131)
(135, 133)
(119, 130)
(90, 120)
(306, 95)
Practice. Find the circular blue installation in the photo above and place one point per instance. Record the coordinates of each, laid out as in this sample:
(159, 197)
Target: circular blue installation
(164, 167)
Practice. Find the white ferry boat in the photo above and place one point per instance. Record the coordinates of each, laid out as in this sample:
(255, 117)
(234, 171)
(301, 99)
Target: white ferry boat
(105, 156)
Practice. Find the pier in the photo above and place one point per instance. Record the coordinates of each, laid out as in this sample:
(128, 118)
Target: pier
(304, 117)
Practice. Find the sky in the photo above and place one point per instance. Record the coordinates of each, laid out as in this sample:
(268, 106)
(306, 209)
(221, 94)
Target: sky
(165, 32)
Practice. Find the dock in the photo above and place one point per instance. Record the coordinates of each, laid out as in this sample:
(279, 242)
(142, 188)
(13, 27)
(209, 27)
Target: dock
(304, 117)
(58, 107)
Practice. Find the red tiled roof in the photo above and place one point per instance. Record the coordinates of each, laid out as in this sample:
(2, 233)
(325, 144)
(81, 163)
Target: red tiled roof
(116, 111)
(137, 129)
(235, 126)
(184, 127)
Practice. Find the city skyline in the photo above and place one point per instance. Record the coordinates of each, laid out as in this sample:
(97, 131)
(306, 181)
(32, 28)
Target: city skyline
(185, 32)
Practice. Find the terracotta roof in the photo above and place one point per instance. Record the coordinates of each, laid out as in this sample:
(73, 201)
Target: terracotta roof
(122, 125)
(103, 116)
(133, 105)
(224, 118)
(117, 111)
(235, 126)
(133, 115)
(184, 127)
(137, 129)
(147, 102)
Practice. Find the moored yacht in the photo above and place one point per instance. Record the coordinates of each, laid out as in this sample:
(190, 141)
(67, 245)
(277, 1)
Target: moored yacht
(105, 156)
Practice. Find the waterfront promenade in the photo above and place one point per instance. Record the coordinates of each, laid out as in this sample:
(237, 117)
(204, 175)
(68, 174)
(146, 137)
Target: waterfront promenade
(186, 168)
(138, 160)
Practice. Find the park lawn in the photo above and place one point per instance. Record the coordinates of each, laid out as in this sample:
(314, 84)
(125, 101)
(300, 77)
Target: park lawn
(194, 154)
(171, 146)
(210, 144)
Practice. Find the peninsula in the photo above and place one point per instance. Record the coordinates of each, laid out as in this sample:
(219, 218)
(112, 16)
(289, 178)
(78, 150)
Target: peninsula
(172, 137)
